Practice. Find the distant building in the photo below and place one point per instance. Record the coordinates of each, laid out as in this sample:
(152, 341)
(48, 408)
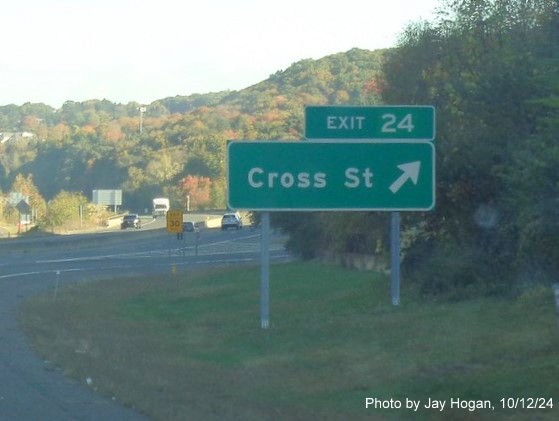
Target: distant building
(15, 136)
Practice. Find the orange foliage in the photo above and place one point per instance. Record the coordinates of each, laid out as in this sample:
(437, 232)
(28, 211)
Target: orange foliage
(198, 188)
(30, 122)
(270, 116)
(230, 134)
(114, 132)
(280, 100)
(88, 129)
(59, 132)
(342, 97)
(199, 125)
(372, 86)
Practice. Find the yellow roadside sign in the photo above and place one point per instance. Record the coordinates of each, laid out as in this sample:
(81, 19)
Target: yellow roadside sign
(174, 221)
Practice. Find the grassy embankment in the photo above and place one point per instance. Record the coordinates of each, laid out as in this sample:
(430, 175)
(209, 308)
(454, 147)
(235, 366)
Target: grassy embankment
(189, 346)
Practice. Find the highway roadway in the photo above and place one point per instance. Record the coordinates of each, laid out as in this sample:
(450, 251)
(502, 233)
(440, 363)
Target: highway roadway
(30, 388)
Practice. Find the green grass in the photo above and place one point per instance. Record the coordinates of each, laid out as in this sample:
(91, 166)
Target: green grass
(190, 346)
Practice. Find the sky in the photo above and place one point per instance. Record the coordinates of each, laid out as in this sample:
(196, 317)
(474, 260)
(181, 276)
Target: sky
(55, 51)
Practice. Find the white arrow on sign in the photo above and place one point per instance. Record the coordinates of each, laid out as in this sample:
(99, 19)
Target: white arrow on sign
(410, 172)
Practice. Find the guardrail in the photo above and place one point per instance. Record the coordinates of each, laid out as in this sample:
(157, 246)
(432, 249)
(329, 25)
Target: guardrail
(114, 221)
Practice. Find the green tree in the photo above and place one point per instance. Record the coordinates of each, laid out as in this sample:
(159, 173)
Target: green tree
(24, 185)
(66, 209)
(485, 66)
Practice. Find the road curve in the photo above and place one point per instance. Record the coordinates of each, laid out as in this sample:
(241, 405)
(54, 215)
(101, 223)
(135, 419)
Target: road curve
(33, 389)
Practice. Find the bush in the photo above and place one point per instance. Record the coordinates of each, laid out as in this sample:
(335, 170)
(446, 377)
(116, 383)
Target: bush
(456, 271)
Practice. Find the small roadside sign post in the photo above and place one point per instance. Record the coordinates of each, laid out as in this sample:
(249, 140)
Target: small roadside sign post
(174, 225)
(174, 221)
(395, 258)
(265, 272)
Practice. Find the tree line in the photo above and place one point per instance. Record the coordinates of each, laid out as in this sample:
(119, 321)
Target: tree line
(179, 151)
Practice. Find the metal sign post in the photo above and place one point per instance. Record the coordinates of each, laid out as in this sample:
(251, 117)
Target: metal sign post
(395, 258)
(265, 272)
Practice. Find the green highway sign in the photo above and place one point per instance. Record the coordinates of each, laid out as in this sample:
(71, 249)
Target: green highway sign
(327, 175)
(405, 122)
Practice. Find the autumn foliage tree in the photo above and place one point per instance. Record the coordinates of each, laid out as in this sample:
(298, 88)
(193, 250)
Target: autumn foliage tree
(97, 144)
(195, 192)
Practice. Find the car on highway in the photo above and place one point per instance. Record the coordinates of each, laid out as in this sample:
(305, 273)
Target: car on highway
(131, 221)
(188, 226)
(231, 220)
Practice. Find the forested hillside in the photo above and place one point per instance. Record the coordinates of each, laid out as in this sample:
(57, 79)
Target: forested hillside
(489, 67)
(176, 147)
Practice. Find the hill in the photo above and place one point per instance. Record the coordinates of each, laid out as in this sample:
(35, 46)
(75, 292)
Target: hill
(98, 144)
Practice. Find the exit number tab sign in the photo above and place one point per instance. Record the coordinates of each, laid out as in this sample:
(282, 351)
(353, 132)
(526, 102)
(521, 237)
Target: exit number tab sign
(406, 122)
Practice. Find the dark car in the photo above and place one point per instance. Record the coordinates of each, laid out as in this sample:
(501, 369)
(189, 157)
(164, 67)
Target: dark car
(231, 220)
(131, 221)
(188, 226)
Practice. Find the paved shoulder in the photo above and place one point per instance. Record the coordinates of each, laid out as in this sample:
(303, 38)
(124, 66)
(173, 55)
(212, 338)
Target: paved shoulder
(31, 389)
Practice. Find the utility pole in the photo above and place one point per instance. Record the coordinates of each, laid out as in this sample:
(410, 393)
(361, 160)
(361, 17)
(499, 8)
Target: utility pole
(142, 111)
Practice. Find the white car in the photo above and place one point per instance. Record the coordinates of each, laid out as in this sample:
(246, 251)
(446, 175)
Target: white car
(231, 220)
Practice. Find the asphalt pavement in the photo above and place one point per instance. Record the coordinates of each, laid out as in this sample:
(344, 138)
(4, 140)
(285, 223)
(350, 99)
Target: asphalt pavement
(35, 390)
(31, 388)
